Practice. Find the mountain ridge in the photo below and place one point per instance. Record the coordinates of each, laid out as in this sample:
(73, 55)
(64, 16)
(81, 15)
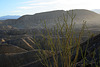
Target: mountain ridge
(37, 20)
(9, 17)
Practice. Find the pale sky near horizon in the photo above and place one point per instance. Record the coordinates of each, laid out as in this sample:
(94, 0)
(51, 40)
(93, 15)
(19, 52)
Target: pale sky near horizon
(22, 7)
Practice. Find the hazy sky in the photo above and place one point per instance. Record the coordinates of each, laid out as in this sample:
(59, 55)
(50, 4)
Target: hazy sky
(21, 7)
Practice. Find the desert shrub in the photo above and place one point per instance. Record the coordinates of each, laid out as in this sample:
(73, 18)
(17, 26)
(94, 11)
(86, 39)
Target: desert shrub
(63, 42)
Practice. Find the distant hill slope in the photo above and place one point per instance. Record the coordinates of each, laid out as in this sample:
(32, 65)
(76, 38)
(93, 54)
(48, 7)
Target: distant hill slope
(51, 18)
(11, 49)
(9, 17)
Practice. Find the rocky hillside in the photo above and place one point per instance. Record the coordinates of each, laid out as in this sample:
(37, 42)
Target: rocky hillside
(30, 59)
